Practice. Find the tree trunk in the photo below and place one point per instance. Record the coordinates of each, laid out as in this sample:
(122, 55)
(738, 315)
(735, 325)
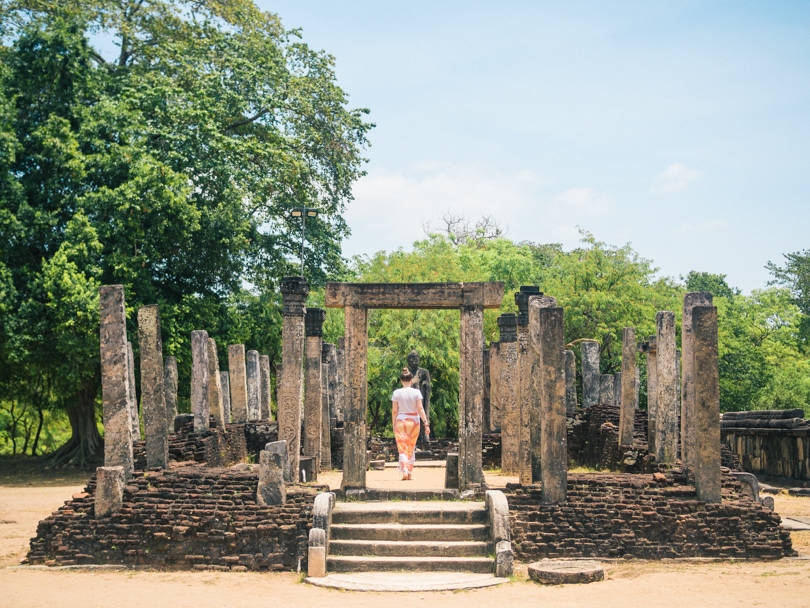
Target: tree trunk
(85, 448)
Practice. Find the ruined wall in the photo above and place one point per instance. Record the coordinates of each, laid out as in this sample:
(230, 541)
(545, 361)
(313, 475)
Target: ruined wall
(645, 517)
(189, 518)
(216, 447)
(593, 440)
(775, 452)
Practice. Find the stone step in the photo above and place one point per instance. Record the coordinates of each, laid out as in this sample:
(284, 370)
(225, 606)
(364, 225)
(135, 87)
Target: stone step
(410, 564)
(407, 512)
(396, 532)
(431, 548)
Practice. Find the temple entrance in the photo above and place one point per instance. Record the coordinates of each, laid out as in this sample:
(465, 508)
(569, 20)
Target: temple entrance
(471, 299)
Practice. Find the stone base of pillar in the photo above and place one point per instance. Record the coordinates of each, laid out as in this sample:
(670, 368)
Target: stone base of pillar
(109, 490)
(280, 447)
(451, 472)
(271, 489)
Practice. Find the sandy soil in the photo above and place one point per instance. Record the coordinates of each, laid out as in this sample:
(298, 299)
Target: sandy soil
(629, 583)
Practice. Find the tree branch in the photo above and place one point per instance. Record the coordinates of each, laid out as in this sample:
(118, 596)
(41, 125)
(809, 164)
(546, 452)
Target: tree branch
(245, 121)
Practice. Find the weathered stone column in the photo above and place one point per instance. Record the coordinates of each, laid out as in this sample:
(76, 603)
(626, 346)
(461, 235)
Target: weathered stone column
(617, 389)
(271, 489)
(215, 401)
(471, 390)
(237, 371)
(294, 291)
(508, 394)
(706, 387)
(627, 408)
(328, 381)
(266, 411)
(253, 385)
(648, 347)
(536, 380)
(153, 390)
(170, 385)
(485, 399)
(570, 382)
(313, 398)
(494, 387)
(200, 406)
(546, 331)
(606, 389)
(524, 384)
(132, 403)
(340, 391)
(354, 414)
(114, 379)
(666, 415)
(690, 300)
(225, 383)
(590, 373)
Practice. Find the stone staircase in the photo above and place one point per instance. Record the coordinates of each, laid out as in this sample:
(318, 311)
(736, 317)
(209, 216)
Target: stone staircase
(410, 536)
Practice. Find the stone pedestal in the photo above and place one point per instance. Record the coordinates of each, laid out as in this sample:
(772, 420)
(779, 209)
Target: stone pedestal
(606, 389)
(237, 372)
(328, 382)
(706, 385)
(546, 330)
(109, 491)
(225, 384)
(271, 489)
(265, 410)
(627, 409)
(313, 398)
(471, 394)
(294, 291)
(690, 300)
(153, 389)
(508, 395)
(570, 382)
(215, 402)
(132, 403)
(170, 386)
(590, 373)
(253, 386)
(115, 379)
(200, 406)
(356, 370)
(666, 415)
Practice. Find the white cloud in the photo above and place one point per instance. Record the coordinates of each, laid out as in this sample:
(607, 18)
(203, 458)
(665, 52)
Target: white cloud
(675, 178)
(585, 202)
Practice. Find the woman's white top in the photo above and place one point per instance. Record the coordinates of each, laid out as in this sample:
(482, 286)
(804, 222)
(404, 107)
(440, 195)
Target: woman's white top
(407, 399)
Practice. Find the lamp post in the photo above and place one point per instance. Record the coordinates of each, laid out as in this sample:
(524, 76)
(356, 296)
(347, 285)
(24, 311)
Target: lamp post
(303, 213)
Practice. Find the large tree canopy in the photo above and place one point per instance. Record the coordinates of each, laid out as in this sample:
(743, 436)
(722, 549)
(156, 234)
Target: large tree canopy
(159, 144)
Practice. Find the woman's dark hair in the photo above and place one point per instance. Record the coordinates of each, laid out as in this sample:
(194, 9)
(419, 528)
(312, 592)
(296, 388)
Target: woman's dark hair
(405, 375)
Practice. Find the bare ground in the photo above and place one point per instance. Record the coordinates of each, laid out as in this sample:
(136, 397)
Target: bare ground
(27, 498)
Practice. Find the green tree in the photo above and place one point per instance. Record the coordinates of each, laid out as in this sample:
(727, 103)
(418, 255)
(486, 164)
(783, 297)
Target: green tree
(795, 274)
(713, 283)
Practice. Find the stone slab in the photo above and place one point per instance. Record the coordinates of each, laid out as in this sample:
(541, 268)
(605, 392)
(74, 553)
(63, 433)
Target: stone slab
(406, 581)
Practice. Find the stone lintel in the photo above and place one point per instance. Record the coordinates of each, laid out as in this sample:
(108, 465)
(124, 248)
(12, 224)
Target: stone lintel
(414, 295)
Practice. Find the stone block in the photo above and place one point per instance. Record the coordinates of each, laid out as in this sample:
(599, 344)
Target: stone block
(280, 447)
(451, 472)
(109, 490)
(271, 489)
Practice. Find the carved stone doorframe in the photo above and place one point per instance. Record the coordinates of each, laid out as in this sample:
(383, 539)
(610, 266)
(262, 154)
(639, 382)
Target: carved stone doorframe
(470, 299)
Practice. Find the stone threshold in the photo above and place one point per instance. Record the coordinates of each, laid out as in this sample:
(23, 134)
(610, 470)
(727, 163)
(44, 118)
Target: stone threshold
(406, 581)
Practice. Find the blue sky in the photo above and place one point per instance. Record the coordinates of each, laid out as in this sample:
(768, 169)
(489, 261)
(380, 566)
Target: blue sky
(682, 127)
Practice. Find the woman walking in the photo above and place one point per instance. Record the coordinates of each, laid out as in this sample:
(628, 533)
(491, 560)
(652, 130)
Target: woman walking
(406, 412)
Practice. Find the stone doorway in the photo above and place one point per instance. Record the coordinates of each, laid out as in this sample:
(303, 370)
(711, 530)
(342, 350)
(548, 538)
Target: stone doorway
(470, 299)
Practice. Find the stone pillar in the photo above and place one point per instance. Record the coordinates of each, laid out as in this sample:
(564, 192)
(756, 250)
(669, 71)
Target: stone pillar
(485, 399)
(170, 385)
(225, 383)
(271, 489)
(627, 407)
(471, 391)
(617, 389)
(508, 394)
(546, 330)
(280, 447)
(606, 389)
(215, 401)
(253, 386)
(132, 403)
(114, 379)
(313, 398)
(494, 387)
(265, 410)
(706, 386)
(536, 385)
(109, 490)
(649, 349)
(200, 406)
(524, 384)
(354, 414)
(570, 382)
(294, 291)
(590, 373)
(237, 372)
(328, 381)
(153, 389)
(666, 415)
(690, 300)
(340, 391)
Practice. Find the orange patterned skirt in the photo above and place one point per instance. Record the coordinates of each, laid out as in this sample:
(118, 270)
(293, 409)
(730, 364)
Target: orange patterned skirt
(406, 432)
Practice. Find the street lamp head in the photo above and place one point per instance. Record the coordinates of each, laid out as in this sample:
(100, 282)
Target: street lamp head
(296, 213)
(312, 213)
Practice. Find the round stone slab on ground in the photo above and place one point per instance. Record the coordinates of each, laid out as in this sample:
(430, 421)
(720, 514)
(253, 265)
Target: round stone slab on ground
(563, 571)
(411, 581)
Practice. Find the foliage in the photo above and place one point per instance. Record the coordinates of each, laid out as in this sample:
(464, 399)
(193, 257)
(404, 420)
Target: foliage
(795, 274)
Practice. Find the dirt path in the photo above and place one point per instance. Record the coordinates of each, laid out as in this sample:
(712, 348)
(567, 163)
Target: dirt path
(629, 583)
